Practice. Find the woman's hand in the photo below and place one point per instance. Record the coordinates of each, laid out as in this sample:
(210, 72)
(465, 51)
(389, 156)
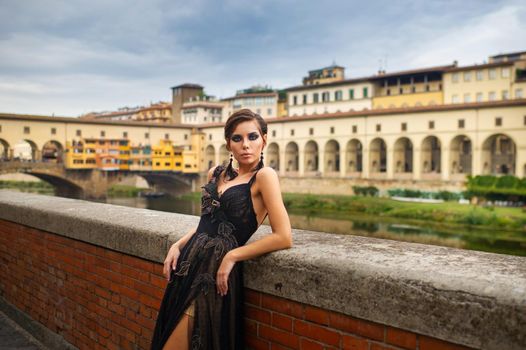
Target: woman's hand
(170, 263)
(227, 264)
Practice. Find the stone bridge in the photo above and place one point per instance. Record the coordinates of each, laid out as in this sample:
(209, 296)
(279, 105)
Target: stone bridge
(94, 183)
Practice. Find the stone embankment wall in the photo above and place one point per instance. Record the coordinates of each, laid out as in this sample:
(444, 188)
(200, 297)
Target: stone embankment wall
(89, 275)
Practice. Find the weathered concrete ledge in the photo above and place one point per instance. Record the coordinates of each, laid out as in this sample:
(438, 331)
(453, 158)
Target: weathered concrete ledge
(471, 298)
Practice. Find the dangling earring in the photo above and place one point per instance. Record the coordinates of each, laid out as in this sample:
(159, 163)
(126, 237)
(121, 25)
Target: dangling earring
(230, 169)
(260, 164)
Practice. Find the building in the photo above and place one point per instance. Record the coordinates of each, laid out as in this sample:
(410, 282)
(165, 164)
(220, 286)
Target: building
(262, 100)
(202, 109)
(325, 75)
(181, 94)
(160, 112)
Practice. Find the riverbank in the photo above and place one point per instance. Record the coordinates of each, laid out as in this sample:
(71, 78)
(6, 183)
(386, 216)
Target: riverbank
(451, 213)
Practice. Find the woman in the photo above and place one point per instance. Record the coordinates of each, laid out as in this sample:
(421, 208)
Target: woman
(202, 304)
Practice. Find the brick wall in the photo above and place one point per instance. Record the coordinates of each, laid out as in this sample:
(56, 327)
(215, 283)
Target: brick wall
(96, 298)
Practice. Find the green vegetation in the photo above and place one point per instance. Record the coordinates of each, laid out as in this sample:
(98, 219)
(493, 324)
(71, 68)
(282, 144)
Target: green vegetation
(27, 186)
(448, 212)
(409, 193)
(497, 188)
(123, 191)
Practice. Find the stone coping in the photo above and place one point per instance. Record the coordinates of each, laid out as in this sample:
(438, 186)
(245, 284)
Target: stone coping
(472, 298)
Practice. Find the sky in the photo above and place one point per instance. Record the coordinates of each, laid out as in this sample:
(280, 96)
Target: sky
(70, 57)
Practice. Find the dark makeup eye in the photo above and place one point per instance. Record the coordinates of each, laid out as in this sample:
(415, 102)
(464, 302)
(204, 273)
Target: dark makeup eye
(236, 138)
(253, 136)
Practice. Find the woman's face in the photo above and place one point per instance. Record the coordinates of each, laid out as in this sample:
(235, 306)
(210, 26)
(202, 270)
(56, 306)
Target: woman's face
(246, 142)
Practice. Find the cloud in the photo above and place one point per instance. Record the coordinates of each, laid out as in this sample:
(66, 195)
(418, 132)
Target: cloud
(72, 57)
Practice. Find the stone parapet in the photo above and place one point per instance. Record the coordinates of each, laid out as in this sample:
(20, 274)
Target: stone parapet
(424, 292)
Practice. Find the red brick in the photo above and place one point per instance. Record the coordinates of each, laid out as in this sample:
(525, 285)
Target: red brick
(282, 305)
(354, 343)
(306, 344)
(157, 281)
(257, 314)
(257, 344)
(317, 315)
(274, 346)
(251, 327)
(138, 263)
(375, 346)
(427, 343)
(316, 332)
(282, 322)
(278, 336)
(252, 297)
(353, 325)
(401, 338)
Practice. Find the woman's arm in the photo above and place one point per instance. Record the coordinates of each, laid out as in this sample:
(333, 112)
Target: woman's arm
(280, 238)
(175, 249)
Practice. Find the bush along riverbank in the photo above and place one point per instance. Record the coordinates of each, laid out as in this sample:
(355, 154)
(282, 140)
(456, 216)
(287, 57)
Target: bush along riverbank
(445, 213)
(27, 186)
(452, 213)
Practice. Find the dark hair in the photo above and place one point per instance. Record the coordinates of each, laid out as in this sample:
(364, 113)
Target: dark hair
(243, 115)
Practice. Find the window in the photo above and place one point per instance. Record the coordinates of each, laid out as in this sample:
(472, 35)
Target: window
(79, 132)
(53, 131)
(388, 92)
(498, 121)
(480, 75)
(492, 96)
(102, 133)
(311, 131)
(404, 127)
(0, 128)
(325, 97)
(401, 91)
(378, 127)
(273, 133)
(467, 76)
(505, 72)
(427, 88)
(354, 129)
(315, 98)
(454, 77)
(413, 89)
(291, 132)
(505, 94)
(209, 137)
(454, 98)
(431, 124)
(467, 98)
(492, 73)
(186, 136)
(166, 136)
(479, 96)
(269, 111)
(146, 135)
(351, 94)
(124, 134)
(304, 100)
(295, 100)
(338, 95)
(365, 92)
(461, 123)
(518, 93)
(332, 129)
(524, 121)
(26, 130)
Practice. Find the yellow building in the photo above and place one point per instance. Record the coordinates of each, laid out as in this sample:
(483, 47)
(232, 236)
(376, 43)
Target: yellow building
(80, 154)
(124, 155)
(503, 78)
(140, 158)
(413, 88)
(163, 156)
(325, 75)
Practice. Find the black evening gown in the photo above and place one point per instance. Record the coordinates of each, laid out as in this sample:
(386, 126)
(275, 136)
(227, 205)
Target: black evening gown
(227, 221)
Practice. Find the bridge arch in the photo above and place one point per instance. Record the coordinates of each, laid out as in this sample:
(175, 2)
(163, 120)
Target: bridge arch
(210, 156)
(311, 156)
(403, 155)
(378, 156)
(499, 153)
(4, 150)
(272, 158)
(460, 156)
(431, 153)
(53, 151)
(292, 157)
(332, 157)
(20, 151)
(354, 156)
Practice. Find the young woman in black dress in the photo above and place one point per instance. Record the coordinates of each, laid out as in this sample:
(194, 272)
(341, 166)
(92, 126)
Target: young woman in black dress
(202, 307)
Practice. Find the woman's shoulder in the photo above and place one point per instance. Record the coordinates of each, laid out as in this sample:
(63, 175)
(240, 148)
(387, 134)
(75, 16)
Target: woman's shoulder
(267, 175)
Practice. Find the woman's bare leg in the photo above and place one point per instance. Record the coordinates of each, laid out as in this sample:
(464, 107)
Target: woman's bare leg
(181, 335)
